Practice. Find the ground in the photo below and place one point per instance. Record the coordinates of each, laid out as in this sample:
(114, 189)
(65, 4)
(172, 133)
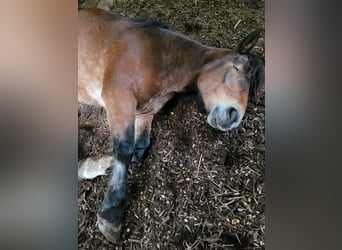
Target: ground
(197, 188)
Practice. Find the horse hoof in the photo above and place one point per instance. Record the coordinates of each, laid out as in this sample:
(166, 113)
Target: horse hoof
(109, 230)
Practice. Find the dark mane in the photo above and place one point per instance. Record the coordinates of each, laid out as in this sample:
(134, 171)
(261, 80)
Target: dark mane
(256, 73)
(141, 21)
(144, 22)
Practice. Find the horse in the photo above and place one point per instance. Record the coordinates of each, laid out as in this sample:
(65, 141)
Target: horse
(132, 67)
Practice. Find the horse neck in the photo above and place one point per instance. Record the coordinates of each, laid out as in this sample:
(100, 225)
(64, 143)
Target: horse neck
(204, 56)
(182, 59)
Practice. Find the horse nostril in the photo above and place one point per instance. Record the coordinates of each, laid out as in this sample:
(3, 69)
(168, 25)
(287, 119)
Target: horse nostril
(232, 115)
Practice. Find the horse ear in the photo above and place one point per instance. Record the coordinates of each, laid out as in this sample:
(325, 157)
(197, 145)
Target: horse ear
(249, 41)
(257, 75)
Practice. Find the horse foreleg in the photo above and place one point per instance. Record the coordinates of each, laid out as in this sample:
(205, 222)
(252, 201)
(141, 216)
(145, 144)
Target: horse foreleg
(142, 135)
(121, 119)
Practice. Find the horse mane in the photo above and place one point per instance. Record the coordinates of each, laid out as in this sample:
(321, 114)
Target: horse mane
(256, 73)
(141, 21)
(145, 22)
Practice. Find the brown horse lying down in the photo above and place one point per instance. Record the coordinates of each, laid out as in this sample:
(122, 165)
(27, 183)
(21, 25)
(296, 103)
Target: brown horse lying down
(132, 67)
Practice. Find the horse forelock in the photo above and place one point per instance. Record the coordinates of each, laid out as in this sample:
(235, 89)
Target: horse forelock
(256, 73)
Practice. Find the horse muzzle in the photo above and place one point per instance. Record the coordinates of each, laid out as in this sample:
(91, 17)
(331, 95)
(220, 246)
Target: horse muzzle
(224, 118)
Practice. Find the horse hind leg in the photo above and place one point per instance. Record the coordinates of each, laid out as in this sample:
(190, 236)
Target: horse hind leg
(95, 166)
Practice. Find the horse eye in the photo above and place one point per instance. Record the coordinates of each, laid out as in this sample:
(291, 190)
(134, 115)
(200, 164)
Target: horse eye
(236, 68)
(226, 78)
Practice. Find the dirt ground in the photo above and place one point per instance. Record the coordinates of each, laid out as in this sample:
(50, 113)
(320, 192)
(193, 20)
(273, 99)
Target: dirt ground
(197, 188)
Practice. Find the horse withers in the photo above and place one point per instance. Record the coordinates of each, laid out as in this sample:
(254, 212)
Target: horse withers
(132, 67)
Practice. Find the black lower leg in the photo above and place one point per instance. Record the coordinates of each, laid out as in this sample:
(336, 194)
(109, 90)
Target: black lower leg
(141, 144)
(114, 201)
(115, 197)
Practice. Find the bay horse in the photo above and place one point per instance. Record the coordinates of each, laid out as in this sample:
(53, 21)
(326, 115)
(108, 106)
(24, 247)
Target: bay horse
(132, 67)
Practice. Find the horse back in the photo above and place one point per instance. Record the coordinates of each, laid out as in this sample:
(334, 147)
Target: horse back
(143, 56)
